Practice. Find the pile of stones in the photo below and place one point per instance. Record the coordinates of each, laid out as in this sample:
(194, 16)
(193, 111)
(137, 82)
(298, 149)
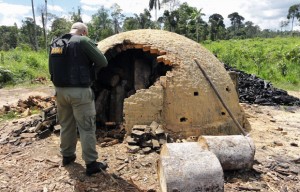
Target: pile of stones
(146, 138)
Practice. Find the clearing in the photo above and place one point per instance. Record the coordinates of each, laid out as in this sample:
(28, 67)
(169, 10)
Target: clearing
(35, 166)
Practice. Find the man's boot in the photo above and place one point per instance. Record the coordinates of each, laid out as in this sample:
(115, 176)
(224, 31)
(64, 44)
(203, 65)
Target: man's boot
(68, 160)
(95, 167)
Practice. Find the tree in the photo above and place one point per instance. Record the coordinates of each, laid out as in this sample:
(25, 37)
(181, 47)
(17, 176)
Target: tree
(59, 27)
(130, 23)
(76, 17)
(283, 24)
(294, 11)
(172, 4)
(184, 18)
(156, 5)
(9, 37)
(169, 20)
(117, 17)
(217, 26)
(44, 17)
(197, 17)
(34, 28)
(144, 20)
(101, 24)
(251, 30)
(27, 34)
(236, 20)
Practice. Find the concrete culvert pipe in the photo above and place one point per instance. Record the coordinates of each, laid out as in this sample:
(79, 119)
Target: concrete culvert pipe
(186, 167)
(234, 152)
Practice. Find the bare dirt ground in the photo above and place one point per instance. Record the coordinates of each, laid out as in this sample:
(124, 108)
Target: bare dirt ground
(35, 165)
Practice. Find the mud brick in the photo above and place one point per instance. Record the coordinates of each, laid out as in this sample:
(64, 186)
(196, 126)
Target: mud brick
(19, 130)
(28, 135)
(147, 143)
(56, 128)
(137, 133)
(38, 127)
(155, 144)
(154, 126)
(162, 139)
(130, 140)
(133, 148)
(139, 127)
(44, 134)
(159, 130)
(46, 112)
(51, 117)
(30, 129)
(147, 150)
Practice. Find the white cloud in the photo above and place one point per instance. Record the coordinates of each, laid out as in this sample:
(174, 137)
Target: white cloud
(11, 13)
(55, 8)
(89, 8)
(265, 13)
(130, 6)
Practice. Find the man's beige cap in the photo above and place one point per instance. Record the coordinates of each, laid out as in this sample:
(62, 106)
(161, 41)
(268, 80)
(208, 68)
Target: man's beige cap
(78, 27)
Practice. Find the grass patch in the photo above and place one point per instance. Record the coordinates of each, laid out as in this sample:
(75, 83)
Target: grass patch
(19, 67)
(273, 59)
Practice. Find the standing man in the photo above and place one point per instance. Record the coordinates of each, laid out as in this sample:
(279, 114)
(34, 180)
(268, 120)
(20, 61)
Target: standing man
(74, 61)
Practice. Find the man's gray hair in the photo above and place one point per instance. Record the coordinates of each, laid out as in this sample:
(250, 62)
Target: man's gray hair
(78, 28)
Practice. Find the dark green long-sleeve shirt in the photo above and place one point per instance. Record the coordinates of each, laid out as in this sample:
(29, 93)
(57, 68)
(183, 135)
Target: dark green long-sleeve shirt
(93, 53)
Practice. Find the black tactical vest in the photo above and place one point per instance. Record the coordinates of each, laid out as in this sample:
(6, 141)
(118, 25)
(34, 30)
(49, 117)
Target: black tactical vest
(69, 66)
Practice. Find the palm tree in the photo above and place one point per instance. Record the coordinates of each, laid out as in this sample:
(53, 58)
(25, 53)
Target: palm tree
(196, 16)
(154, 4)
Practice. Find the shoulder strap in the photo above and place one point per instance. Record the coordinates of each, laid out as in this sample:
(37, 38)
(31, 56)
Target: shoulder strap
(59, 45)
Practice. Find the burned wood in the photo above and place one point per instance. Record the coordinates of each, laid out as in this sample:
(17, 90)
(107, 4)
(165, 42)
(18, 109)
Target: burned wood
(248, 188)
(108, 78)
(254, 90)
(101, 105)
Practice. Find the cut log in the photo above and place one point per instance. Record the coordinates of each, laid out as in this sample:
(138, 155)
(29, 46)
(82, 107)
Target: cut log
(101, 104)
(142, 72)
(116, 103)
(186, 167)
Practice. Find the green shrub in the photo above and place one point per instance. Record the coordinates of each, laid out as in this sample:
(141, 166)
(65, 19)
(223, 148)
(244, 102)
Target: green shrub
(5, 76)
(32, 61)
(2, 58)
(293, 55)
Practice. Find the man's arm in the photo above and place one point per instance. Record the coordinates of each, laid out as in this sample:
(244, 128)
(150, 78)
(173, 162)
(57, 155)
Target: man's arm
(93, 53)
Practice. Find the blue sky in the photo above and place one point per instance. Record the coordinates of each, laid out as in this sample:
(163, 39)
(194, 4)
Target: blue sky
(265, 13)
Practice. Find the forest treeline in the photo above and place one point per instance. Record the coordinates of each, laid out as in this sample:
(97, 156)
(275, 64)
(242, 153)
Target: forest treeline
(179, 18)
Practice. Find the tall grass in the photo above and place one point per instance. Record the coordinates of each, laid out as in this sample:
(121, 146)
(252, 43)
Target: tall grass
(18, 66)
(273, 59)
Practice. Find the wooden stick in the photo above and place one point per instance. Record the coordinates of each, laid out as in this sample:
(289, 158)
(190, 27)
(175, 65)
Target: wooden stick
(220, 98)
